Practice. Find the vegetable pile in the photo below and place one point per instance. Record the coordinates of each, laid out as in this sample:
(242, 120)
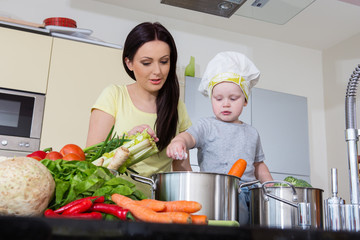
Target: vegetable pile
(87, 188)
(294, 181)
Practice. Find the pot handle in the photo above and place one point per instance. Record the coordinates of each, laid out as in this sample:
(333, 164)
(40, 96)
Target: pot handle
(145, 180)
(295, 198)
(245, 184)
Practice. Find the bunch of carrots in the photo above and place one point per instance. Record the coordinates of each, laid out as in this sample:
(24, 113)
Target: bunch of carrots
(156, 211)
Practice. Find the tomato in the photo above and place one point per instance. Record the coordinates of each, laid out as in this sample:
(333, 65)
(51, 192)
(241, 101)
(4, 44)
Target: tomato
(54, 155)
(73, 148)
(72, 157)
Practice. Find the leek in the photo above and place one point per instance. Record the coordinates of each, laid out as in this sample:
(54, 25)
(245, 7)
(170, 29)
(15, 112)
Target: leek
(140, 146)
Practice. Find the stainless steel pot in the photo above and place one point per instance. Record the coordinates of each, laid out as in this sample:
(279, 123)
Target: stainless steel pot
(217, 193)
(286, 207)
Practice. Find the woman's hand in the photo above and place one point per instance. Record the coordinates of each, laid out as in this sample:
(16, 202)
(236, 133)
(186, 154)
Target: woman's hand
(140, 128)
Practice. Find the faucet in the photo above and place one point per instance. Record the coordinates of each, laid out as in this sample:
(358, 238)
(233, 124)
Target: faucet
(351, 136)
(338, 215)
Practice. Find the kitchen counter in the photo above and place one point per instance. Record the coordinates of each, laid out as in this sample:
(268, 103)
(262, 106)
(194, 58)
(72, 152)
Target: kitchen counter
(43, 228)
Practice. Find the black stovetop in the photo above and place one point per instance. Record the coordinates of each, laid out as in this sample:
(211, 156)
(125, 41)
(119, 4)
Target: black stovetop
(43, 228)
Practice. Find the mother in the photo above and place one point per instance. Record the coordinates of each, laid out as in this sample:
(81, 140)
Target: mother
(152, 101)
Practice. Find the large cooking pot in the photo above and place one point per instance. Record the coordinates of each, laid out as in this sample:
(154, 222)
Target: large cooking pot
(286, 207)
(217, 193)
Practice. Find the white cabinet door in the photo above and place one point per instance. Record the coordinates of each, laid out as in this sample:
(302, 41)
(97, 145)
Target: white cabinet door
(282, 122)
(24, 60)
(78, 73)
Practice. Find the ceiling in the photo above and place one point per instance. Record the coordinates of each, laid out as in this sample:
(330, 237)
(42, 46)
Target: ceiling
(320, 25)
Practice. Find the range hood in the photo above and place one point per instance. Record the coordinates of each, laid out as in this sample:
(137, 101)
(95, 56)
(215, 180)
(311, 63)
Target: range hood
(223, 8)
(273, 11)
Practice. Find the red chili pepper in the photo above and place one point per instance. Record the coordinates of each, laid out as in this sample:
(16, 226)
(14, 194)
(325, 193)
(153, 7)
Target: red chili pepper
(90, 215)
(40, 154)
(51, 214)
(79, 208)
(112, 209)
(98, 199)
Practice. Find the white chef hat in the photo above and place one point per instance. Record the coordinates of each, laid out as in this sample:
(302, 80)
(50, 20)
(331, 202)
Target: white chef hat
(231, 67)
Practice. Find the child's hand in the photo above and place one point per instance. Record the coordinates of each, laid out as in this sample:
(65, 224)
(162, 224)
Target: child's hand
(177, 150)
(181, 156)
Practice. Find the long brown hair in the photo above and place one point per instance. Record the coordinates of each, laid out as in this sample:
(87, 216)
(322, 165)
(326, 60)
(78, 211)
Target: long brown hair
(168, 96)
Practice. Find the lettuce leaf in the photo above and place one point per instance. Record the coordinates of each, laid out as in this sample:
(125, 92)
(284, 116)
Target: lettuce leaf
(79, 179)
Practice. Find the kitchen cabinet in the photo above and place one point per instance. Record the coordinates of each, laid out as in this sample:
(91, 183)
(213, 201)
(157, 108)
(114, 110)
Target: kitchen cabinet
(78, 73)
(24, 60)
(281, 120)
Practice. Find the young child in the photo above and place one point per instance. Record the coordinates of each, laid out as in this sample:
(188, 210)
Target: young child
(223, 139)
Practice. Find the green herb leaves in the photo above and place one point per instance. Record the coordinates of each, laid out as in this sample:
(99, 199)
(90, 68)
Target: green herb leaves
(79, 179)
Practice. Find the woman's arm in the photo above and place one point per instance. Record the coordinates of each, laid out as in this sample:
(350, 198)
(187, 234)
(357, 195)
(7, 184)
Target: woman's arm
(99, 127)
(262, 172)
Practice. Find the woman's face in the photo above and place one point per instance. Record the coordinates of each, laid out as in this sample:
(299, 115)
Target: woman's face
(151, 65)
(227, 101)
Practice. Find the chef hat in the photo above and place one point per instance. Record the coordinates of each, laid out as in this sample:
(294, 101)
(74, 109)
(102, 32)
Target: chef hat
(230, 67)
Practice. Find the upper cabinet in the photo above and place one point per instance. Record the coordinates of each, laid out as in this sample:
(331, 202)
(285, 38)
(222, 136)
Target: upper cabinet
(24, 61)
(78, 73)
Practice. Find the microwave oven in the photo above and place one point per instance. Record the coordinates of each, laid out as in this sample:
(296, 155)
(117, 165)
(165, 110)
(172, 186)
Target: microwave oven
(21, 118)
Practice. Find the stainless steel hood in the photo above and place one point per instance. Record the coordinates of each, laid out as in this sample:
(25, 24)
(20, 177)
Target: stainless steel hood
(224, 8)
(273, 11)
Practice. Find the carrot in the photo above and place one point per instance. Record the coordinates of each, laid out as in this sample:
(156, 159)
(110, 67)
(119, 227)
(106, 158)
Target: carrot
(238, 168)
(178, 217)
(182, 206)
(153, 204)
(140, 212)
(199, 219)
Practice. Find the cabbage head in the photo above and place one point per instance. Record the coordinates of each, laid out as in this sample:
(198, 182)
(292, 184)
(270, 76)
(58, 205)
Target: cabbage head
(26, 187)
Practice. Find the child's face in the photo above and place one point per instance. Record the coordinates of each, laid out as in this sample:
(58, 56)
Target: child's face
(227, 101)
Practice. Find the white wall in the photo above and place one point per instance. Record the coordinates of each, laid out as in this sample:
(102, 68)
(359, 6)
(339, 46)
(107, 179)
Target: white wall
(284, 67)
